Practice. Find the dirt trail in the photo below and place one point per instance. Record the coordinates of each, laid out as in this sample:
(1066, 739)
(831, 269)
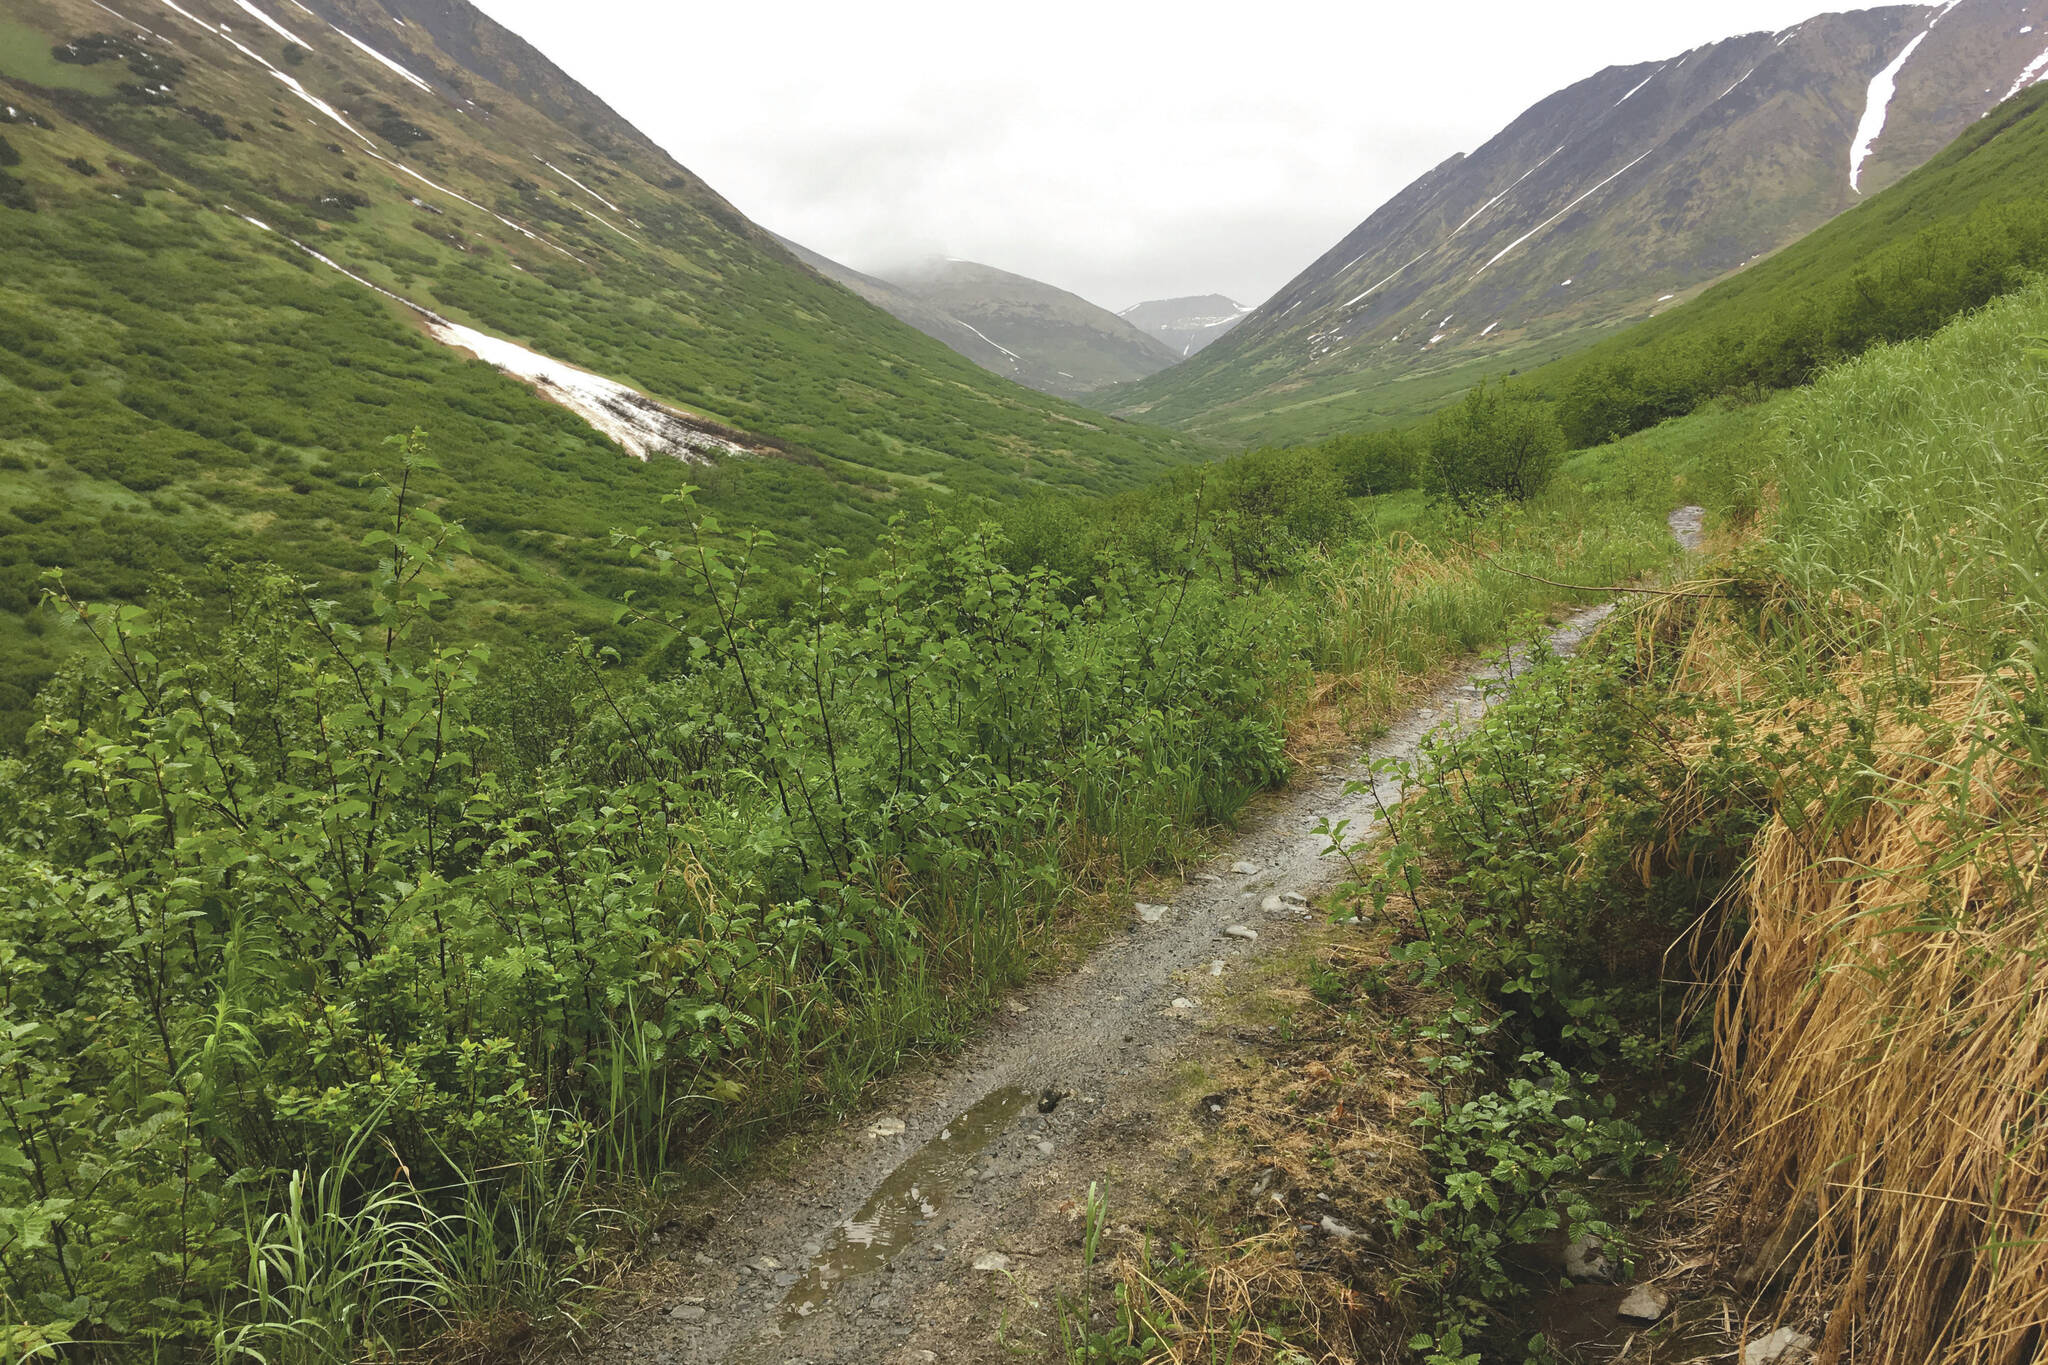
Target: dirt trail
(889, 1240)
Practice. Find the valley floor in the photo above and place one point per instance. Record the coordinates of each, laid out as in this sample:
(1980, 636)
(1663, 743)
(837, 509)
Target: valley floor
(942, 1226)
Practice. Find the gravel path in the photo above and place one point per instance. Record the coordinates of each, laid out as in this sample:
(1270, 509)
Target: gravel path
(896, 1224)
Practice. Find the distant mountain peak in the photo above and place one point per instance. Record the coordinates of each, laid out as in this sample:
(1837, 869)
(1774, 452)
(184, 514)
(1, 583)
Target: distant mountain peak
(1188, 324)
(1025, 329)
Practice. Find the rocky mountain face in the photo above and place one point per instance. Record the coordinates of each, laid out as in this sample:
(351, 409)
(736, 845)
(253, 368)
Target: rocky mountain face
(1603, 203)
(1025, 329)
(908, 308)
(1187, 325)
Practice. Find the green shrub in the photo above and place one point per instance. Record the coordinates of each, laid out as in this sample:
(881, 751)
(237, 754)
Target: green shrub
(1495, 444)
(1376, 462)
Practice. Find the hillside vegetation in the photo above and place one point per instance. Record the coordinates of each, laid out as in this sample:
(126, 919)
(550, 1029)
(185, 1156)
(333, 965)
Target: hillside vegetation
(1816, 786)
(1956, 233)
(179, 383)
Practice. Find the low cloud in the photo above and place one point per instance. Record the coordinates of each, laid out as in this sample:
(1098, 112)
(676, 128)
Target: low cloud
(1124, 151)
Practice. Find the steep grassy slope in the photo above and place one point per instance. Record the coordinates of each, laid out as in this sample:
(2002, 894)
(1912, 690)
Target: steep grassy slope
(178, 378)
(1602, 204)
(1047, 338)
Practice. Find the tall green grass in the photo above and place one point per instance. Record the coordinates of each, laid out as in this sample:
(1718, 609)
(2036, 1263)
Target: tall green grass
(1914, 483)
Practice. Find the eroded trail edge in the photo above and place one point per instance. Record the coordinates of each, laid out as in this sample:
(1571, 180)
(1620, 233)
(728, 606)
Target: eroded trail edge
(858, 1255)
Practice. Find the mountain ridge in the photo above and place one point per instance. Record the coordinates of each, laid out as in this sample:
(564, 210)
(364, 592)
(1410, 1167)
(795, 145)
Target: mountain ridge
(1602, 202)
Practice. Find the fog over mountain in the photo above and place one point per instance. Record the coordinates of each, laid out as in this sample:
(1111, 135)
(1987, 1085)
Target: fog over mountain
(1093, 147)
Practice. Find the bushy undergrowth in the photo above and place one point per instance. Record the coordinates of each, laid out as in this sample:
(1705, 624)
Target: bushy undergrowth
(347, 970)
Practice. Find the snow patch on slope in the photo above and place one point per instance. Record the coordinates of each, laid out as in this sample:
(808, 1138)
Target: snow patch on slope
(1014, 357)
(126, 20)
(1877, 101)
(1639, 85)
(2036, 72)
(579, 184)
(1511, 189)
(291, 83)
(1376, 288)
(642, 426)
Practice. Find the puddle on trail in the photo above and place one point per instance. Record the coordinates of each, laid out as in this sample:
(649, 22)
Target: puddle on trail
(913, 1193)
(1581, 1322)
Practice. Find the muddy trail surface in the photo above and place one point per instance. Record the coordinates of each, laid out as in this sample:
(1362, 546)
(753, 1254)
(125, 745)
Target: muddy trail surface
(892, 1241)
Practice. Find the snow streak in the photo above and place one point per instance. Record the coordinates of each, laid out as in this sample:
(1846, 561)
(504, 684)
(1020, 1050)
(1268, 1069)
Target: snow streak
(642, 426)
(1877, 101)
(1555, 216)
(275, 27)
(1376, 288)
(2036, 72)
(579, 184)
(1014, 357)
(1639, 85)
(373, 52)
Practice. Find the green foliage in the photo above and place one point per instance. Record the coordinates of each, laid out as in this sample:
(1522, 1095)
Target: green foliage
(1376, 462)
(1494, 444)
(1511, 1164)
(273, 890)
(290, 881)
(1277, 504)
(179, 386)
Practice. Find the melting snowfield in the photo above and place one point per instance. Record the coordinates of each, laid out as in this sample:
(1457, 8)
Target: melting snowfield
(638, 423)
(641, 425)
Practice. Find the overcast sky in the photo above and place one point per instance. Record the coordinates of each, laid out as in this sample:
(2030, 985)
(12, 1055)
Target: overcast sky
(1124, 151)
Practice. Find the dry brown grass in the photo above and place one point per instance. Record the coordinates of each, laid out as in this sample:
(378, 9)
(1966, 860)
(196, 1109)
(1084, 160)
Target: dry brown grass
(1885, 1035)
(1881, 1023)
(1320, 1132)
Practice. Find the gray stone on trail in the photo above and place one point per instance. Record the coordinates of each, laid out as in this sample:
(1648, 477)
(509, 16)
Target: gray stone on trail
(1216, 967)
(1338, 1230)
(686, 1312)
(1045, 1149)
(1152, 914)
(1584, 1259)
(991, 1260)
(1243, 931)
(1644, 1305)
(1294, 898)
(1786, 1346)
(885, 1128)
(1244, 869)
(1209, 877)
(1273, 905)
(1181, 1002)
